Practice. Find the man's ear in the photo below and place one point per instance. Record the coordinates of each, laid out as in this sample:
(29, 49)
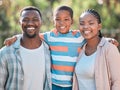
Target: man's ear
(19, 21)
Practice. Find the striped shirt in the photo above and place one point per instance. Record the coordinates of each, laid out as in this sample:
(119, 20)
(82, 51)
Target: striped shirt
(64, 50)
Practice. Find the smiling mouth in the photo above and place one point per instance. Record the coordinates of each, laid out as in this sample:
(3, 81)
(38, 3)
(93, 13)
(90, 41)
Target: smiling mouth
(86, 32)
(30, 28)
(62, 27)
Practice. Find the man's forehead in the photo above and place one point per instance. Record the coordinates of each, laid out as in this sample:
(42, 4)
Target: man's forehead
(29, 11)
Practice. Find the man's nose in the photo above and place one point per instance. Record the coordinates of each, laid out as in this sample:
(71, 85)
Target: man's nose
(30, 22)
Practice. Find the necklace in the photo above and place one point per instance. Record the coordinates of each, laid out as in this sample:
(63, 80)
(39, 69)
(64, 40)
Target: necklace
(89, 50)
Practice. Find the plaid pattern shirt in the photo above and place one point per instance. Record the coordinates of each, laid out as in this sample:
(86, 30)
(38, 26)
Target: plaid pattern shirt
(11, 71)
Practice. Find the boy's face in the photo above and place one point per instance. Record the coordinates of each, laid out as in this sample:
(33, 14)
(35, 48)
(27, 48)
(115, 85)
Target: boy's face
(63, 21)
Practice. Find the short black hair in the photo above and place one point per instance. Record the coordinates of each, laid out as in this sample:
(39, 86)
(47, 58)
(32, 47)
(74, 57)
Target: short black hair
(67, 8)
(31, 8)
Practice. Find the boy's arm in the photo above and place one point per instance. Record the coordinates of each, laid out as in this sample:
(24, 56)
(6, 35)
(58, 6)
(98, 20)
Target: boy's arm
(113, 41)
(12, 39)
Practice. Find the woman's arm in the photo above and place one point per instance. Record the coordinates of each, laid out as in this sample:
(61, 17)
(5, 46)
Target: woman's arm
(113, 58)
(75, 83)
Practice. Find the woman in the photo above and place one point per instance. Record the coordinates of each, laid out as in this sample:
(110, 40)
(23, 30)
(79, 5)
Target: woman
(98, 64)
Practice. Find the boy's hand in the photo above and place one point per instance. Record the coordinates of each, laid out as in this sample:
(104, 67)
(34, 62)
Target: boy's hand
(10, 40)
(114, 41)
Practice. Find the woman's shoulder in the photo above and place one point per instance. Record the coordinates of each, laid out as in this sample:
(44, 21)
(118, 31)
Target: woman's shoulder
(107, 45)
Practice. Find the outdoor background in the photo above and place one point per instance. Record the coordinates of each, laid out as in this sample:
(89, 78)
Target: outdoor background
(108, 9)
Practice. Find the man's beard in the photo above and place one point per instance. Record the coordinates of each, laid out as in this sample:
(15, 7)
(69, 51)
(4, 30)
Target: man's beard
(30, 36)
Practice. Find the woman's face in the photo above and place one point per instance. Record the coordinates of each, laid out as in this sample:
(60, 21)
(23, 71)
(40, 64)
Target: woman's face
(89, 26)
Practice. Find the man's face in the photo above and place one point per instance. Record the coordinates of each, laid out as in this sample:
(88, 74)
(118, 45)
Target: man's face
(30, 22)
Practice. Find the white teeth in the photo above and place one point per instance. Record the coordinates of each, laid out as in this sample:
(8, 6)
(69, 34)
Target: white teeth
(86, 32)
(62, 27)
(30, 28)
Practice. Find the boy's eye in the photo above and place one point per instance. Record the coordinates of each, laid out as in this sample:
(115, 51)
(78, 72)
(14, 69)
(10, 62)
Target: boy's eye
(81, 23)
(57, 19)
(66, 19)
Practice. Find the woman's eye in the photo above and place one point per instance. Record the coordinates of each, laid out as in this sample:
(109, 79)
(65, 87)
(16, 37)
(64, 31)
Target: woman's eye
(57, 19)
(91, 23)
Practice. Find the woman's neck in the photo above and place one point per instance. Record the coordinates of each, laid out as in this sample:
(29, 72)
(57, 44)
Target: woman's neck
(91, 45)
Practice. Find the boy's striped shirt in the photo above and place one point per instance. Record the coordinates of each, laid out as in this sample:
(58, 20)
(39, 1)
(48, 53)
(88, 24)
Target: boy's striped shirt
(64, 50)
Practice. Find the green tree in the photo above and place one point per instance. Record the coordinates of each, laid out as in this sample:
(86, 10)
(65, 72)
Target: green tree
(10, 9)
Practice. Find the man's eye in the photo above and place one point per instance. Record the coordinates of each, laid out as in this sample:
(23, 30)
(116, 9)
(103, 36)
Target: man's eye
(36, 19)
(25, 20)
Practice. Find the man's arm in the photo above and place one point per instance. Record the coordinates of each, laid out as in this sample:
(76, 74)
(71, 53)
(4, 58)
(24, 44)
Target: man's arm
(3, 71)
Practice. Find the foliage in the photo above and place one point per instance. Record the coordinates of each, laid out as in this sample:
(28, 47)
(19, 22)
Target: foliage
(10, 9)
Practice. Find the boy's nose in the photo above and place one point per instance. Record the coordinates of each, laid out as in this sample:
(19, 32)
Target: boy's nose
(62, 22)
(85, 26)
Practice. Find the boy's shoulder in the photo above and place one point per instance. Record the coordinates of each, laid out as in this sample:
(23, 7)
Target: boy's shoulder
(55, 32)
(75, 31)
(51, 31)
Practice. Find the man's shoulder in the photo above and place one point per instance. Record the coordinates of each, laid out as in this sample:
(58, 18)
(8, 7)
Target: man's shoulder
(45, 44)
(5, 49)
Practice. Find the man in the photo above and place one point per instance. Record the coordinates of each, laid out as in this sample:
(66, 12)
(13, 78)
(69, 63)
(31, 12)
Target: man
(25, 65)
